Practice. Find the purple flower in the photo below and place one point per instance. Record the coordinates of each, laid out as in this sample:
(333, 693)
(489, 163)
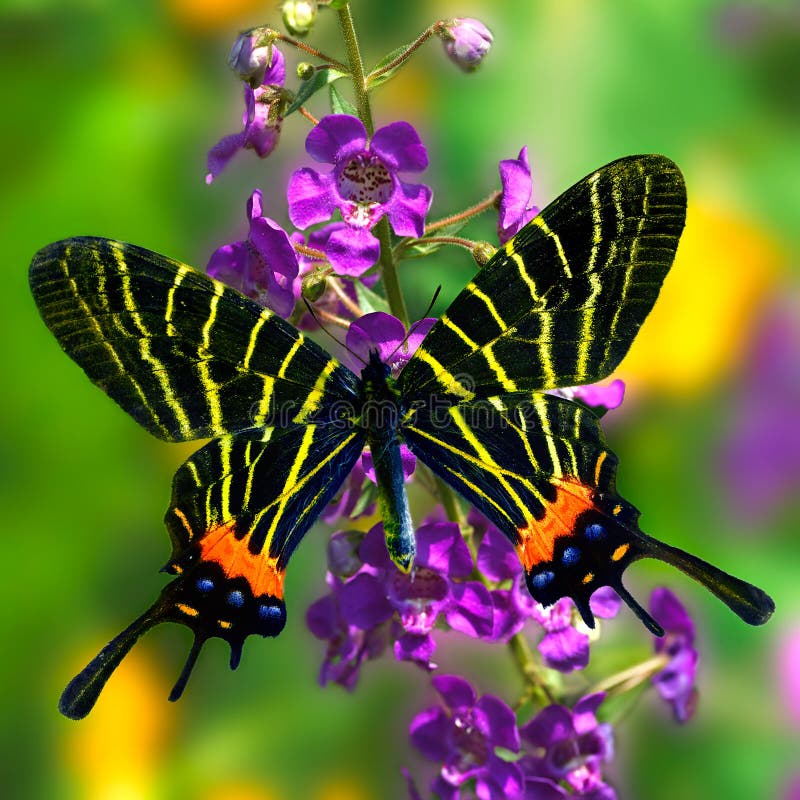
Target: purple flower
(385, 334)
(348, 646)
(463, 736)
(515, 178)
(565, 645)
(348, 503)
(260, 132)
(263, 266)
(466, 42)
(436, 588)
(567, 747)
(363, 184)
(602, 398)
(251, 55)
(761, 459)
(788, 673)
(675, 683)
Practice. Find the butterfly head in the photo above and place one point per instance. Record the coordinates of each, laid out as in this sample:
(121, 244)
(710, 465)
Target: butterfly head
(602, 541)
(202, 597)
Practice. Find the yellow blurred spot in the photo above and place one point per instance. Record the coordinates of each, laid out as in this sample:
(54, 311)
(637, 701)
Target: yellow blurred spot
(208, 14)
(117, 750)
(240, 790)
(694, 334)
(341, 788)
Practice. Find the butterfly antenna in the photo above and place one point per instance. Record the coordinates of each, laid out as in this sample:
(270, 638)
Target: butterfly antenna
(414, 325)
(325, 330)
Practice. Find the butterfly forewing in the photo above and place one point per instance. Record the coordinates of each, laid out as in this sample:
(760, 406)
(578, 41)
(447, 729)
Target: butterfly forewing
(184, 355)
(560, 304)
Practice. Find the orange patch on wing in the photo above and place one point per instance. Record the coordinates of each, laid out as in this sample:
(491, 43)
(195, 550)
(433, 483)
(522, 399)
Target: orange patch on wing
(221, 546)
(537, 540)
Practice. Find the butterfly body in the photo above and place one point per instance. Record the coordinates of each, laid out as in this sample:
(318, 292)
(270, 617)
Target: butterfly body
(190, 358)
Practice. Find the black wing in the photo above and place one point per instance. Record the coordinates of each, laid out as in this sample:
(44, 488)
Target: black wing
(184, 355)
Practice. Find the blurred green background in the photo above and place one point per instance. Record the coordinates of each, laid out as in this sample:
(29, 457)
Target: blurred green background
(108, 109)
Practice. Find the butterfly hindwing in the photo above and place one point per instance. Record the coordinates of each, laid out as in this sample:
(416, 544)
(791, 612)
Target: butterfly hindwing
(560, 304)
(184, 355)
(240, 506)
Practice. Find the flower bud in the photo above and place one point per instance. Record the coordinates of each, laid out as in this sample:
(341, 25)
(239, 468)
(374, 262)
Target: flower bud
(305, 70)
(251, 54)
(314, 285)
(482, 253)
(299, 16)
(343, 560)
(466, 41)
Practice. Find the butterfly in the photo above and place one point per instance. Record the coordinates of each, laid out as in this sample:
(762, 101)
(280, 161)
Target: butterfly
(190, 358)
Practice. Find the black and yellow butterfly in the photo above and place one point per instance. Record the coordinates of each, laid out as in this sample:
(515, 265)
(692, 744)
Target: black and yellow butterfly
(190, 358)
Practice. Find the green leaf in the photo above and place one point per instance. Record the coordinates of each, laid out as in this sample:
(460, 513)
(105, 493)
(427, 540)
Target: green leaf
(376, 80)
(341, 105)
(369, 300)
(322, 78)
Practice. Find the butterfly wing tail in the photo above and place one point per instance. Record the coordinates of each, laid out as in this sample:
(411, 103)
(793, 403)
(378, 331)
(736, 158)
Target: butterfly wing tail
(78, 699)
(748, 602)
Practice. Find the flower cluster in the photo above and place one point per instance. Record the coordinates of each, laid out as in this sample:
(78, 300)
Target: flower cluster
(557, 754)
(356, 213)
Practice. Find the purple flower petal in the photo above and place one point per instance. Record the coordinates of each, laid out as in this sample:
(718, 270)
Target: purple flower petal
(543, 789)
(322, 617)
(352, 251)
(497, 722)
(507, 619)
(336, 137)
(416, 333)
(416, 647)
(497, 559)
(364, 603)
(407, 211)
(501, 780)
(310, 196)
(376, 331)
(473, 611)
(407, 458)
(398, 145)
(551, 724)
(228, 264)
(413, 792)
(222, 152)
(468, 42)
(565, 650)
(515, 178)
(455, 691)
(441, 547)
(584, 718)
(671, 614)
(605, 603)
(373, 549)
(597, 396)
(429, 733)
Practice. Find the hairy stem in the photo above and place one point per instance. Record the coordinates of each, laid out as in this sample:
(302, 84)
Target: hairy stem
(356, 66)
(526, 664)
(395, 62)
(327, 60)
(464, 215)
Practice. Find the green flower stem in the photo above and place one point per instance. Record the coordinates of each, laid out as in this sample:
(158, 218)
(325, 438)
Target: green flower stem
(526, 664)
(356, 68)
(391, 281)
(396, 62)
(312, 51)
(464, 215)
(630, 678)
